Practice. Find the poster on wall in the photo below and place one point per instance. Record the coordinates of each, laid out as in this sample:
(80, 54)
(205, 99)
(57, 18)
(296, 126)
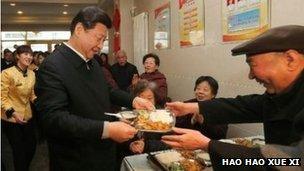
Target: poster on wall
(244, 19)
(162, 27)
(191, 22)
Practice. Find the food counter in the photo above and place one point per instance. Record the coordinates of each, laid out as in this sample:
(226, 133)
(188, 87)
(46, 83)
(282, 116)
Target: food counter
(144, 162)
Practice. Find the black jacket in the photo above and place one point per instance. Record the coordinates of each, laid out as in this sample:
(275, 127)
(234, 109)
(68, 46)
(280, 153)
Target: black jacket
(123, 75)
(72, 99)
(279, 113)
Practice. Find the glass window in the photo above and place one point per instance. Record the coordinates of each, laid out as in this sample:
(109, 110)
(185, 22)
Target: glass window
(105, 48)
(13, 35)
(48, 35)
(39, 47)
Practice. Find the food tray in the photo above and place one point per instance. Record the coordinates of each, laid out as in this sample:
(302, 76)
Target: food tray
(168, 159)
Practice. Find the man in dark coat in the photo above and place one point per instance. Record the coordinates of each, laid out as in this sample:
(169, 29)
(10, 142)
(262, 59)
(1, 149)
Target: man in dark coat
(276, 60)
(123, 71)
(73, 96)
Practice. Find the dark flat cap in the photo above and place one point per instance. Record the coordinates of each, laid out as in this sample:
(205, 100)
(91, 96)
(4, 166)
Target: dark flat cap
(276, 39)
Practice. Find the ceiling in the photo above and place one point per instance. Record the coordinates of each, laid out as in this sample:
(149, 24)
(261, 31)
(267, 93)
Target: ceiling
(43, 15)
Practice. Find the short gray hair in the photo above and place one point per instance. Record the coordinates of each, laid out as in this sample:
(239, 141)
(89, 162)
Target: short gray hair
(120, 52)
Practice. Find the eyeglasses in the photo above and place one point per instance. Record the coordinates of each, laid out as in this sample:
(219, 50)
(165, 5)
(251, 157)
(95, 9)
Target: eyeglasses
(98, 38)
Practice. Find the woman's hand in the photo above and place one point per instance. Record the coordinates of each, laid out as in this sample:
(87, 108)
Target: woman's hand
(135, 79)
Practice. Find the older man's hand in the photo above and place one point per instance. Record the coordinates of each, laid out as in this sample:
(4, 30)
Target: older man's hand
(180, 108)
(187, 139)
(140, 103)
(120, 131)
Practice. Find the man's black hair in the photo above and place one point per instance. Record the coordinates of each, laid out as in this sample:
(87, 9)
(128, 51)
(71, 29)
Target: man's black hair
(89, 17)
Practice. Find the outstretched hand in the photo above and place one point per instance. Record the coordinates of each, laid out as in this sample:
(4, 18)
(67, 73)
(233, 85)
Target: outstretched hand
(187, 139)
(180, 108)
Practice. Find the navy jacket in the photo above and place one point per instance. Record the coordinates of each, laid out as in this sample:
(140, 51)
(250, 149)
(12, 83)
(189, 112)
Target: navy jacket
(72, 99)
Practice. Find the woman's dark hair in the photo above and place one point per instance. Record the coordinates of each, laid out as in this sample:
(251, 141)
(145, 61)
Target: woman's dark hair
(89, 17)
(151, 55)
(99, 60)
(211, 81)
(24, 49)
(36, 53)
(106, 55)
(43, 54)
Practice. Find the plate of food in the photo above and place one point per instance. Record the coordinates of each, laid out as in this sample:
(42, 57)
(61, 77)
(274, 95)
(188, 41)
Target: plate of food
(177, 160)
(158, 121)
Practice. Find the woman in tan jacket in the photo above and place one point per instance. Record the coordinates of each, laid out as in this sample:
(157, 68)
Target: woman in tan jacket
(17, 92)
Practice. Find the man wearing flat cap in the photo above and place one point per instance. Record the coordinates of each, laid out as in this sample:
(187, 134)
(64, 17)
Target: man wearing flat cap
(276, 60)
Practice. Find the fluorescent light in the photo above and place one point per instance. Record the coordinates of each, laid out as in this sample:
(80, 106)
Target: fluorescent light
(64, 12)
(19, 12)
(65, 5)
(12, 4)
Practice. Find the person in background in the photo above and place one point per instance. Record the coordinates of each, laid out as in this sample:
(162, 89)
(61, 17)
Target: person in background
(34, 64)
(8, 59)
(105, 60)
(149, 142)
(276, 60)
(108, 75)
(72, 97)
(17, 93)
(47, 53)
(123, 71)
(102, 59)
(151, 63)
(205, 88)
(41, 58)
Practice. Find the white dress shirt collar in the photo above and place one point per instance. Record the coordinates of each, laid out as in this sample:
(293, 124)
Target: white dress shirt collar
(78, 53)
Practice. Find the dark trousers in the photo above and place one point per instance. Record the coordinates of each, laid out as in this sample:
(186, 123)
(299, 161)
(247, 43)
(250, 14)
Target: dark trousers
(22, 139)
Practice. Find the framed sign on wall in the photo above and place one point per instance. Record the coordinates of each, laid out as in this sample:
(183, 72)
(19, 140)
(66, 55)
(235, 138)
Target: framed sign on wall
(244, 19)
(191, 23)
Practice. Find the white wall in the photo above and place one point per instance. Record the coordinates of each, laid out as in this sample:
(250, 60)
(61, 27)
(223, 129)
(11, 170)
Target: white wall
(126, 28)
(183, 65)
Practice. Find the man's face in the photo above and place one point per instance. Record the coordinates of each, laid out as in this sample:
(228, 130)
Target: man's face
(268, 69)
(121, 59)
(91, 40)
(8, 56)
